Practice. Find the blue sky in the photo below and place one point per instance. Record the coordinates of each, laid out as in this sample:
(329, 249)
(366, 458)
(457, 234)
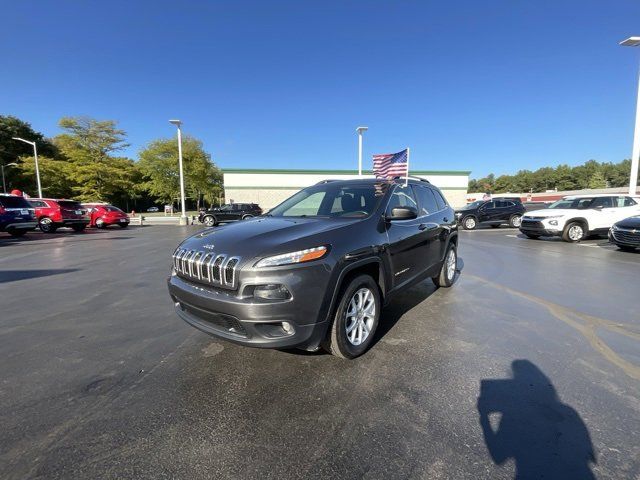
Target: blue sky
(468, 85)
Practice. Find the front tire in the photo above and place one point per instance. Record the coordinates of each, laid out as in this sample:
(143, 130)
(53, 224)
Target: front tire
(532, 236)
(515, 221)
(447, 275)
(247, 217)
(469, 223)
(626, 248)
(100, 223)
(46, 225)
(574, 232)
(356, 319)
(209, 221)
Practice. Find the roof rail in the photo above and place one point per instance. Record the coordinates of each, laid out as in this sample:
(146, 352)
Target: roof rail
(412, 177)
(327, 181)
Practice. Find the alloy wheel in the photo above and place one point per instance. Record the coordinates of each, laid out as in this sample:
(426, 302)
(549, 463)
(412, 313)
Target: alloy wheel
(208, 221)
(451, 264)
(576, 233)
(470, 223)
(516, 221)
(360, 316)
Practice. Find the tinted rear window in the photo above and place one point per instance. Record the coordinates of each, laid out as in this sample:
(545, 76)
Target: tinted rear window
(70, 204)
(111, 208)
(14, 202)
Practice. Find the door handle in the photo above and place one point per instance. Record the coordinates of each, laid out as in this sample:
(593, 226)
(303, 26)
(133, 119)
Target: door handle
(445, 219)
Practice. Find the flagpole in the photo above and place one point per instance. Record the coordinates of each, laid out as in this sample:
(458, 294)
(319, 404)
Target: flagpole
(406, 180)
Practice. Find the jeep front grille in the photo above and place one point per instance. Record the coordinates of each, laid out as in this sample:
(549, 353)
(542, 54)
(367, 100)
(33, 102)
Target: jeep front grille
(206, 267)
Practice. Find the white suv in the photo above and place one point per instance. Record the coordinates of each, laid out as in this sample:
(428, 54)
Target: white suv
(577, 216)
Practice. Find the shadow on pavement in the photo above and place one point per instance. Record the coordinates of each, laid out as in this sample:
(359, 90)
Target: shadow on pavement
(545, 437)
(7, 276)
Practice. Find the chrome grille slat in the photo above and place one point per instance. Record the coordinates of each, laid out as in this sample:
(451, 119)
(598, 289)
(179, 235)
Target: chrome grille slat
(207, 267)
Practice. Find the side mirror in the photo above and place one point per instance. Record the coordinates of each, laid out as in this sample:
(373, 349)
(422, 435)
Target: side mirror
(402, 213)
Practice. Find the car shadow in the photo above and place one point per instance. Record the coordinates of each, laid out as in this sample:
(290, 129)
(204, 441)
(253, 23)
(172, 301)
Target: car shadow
(7, 276)
(523, 419)
(393, 312)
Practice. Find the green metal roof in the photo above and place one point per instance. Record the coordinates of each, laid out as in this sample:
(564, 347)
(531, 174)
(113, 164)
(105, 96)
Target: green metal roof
(337, 172)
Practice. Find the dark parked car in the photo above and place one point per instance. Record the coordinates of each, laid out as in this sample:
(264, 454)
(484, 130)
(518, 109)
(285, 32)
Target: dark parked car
(491, 212)
(229, 213)
(626, 233)
(16, 215)
(53, 214)
(317, 270)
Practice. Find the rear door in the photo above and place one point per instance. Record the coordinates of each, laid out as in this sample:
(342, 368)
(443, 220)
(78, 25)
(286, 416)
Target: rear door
(603, 212)
(430, 226)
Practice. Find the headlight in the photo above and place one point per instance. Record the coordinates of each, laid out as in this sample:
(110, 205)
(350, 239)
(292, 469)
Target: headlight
(614, 227)
(300, 256)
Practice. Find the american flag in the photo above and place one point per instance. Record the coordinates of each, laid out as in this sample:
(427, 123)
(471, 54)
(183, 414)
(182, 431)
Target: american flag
(389, 165)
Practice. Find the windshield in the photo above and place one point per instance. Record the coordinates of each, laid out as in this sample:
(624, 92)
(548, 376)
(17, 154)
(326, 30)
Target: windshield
(333, 200)
(578, 203)
(475, 204)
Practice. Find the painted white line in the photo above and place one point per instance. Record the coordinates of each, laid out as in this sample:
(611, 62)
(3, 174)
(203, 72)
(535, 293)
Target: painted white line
(512, 236)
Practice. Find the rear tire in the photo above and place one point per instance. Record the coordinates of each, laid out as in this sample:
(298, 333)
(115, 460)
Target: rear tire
(46, 225)
(469, 223)
(358, 311)
(16, 232)
(246, 217)
(447, 275)
(123, 225)
(515, 221)
(574, 232)
(100, 223)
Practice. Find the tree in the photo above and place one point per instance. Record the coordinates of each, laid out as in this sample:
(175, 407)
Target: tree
(597, 180)
(159, 164)
(56, 176)
(96, 174)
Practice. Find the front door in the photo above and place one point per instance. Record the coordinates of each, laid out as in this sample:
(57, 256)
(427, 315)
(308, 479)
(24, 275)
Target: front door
(405, 238)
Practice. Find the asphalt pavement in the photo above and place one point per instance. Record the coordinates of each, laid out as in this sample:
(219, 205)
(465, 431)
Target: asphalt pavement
(530, 362)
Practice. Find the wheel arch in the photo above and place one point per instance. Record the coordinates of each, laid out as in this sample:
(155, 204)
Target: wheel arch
(581, 220)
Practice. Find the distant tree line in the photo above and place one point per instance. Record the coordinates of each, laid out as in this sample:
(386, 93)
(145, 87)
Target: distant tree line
(591, 174)
(83, 163)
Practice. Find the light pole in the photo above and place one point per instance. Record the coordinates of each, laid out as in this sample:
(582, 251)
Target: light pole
(35, 154)
(4, 185)
(183, 216)
(360, 130)
(633, 180)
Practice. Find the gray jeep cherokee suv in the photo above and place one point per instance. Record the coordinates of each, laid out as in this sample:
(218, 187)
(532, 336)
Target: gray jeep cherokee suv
(317, 269)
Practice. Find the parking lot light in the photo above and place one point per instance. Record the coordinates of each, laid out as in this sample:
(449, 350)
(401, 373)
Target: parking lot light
(360, 130)
(183, 216)
(4, 185)
(633, 179)
(35, 155)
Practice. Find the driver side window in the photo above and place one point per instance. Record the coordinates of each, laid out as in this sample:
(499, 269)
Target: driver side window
(402, 197)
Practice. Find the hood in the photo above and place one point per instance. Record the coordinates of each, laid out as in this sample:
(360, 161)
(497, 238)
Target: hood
(466, 208)
(550, 212)
(631, 222)
(263, 236)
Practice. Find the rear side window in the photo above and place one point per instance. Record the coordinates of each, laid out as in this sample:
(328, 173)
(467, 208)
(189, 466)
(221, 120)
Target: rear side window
(604, 202)
(626, 202)
(70, 204)
(426, 200)
(440, 200)
(38, 204)
(14, 202)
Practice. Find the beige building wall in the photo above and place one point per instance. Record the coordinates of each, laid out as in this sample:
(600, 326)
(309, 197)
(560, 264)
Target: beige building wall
(270, 187)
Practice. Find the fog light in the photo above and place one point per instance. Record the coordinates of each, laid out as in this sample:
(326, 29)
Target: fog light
(287, 327)
(271, 292)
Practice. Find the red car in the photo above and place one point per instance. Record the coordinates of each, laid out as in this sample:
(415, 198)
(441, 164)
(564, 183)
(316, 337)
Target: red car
(53, 214)
(102, 215)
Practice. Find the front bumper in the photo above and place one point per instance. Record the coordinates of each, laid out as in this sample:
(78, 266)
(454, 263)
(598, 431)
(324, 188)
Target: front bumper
(249, 322)
(627, 238)
(537, 227)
